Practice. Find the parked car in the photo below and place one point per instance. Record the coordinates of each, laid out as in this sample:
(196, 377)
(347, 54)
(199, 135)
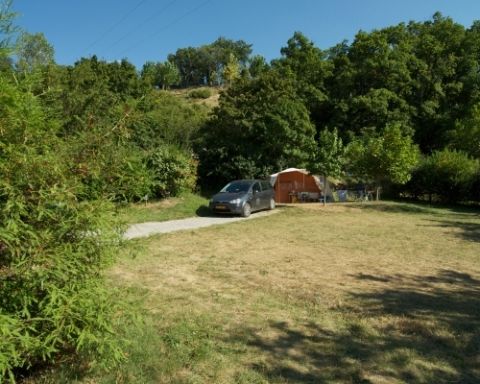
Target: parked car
(243, 197)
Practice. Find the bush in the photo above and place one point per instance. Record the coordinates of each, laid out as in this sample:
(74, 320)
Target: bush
(52, 247)
(174, 171)
(162, 118)
(122, 177)
(201, 93)
(447, 175)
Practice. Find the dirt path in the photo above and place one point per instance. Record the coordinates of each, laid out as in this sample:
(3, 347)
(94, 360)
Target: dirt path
(153, 228)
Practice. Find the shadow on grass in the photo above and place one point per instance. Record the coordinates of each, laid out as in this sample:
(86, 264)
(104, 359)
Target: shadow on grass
(423, 208)
(416, 329)
(468, 231)
(204, 211)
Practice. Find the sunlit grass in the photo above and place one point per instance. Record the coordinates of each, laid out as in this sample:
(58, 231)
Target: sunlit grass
(187, 205)
(355, 293)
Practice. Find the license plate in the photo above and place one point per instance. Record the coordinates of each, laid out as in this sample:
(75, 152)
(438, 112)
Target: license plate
(220, 207)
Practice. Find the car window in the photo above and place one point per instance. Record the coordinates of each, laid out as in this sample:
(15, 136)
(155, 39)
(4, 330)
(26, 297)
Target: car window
(256, 187)
(266, 186)
(236, 187)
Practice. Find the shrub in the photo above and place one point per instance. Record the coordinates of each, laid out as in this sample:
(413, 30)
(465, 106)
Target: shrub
(52, 247)
(174, 171)
(448, 175)
(200, 93)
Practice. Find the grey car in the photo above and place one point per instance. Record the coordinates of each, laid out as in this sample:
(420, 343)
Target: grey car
(243, 197)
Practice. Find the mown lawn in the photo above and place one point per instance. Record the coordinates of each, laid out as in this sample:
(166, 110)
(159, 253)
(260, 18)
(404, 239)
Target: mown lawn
(173, 208)
(372, 293)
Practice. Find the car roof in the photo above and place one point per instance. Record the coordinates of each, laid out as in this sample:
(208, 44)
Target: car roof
(245, 180)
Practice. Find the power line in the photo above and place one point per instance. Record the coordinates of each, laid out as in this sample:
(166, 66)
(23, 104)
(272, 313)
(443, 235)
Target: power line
(143, 23)
(188, 13)
(115, 25)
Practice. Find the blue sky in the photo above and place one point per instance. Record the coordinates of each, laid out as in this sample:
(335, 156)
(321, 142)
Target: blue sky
(143, 30)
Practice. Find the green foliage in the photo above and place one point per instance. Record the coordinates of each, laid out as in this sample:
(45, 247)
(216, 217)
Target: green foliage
(231, 70)
(260, 126)
(466, 135)
(7, 26)
(52, 247)
(258, 65)
(174, 171)
(33, 51)
(448, 174)
(200, 93)
(161, 118)
(203, 65)
(388, 157)
(162, 75)
(328, 158)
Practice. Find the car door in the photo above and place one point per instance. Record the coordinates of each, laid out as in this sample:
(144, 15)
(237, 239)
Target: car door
(256, 196)
(266, 194)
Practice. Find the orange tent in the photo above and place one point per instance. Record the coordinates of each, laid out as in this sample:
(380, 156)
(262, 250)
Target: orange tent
(294, 184)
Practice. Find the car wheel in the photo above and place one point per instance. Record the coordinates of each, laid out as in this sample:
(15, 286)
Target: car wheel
(272, 204)
(246, 210)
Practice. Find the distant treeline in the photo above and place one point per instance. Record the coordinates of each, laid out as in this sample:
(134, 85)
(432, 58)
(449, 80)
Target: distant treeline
(397, 108)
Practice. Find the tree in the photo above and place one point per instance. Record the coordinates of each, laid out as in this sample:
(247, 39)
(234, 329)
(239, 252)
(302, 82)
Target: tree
(7, 27)
(202, 65)
(258, 65)
(148, 74)
(448, 174)
(466, 134)
(328, 157)
(307, 63)
(390, 156)
(33, 51)
(167, 74)
(259, 127)
(231, 71)
(52, 247)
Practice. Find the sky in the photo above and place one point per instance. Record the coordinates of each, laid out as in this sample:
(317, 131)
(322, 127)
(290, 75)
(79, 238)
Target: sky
(149, 30)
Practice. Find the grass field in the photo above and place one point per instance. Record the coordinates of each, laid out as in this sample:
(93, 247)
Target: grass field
(372, 293)
(173, 208)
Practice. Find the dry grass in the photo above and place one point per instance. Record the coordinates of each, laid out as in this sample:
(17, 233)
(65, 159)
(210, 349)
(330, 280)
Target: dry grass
(373, 293)
(210, 102)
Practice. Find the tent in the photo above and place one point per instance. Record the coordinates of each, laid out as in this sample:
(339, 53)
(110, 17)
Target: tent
(295, 184)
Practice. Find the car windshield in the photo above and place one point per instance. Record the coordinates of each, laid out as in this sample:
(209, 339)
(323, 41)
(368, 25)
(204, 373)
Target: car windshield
(236, 187)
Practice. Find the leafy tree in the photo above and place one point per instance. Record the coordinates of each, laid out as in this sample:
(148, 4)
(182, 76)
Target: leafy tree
(328, 157)
(174, 171)
(120, 76)
(260, 126)
(447, 174)
(231, 71)
(7, 27)
(466, 134)
(148, 74)
(161, 118)
(202, 65)
(308, 65)
(33, 51)
(52, 247)
(258, 65)
(167, 74)
(223, 48)
(390, 156)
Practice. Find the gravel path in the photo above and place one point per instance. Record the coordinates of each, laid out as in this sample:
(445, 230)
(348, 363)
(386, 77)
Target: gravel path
(152, 228)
